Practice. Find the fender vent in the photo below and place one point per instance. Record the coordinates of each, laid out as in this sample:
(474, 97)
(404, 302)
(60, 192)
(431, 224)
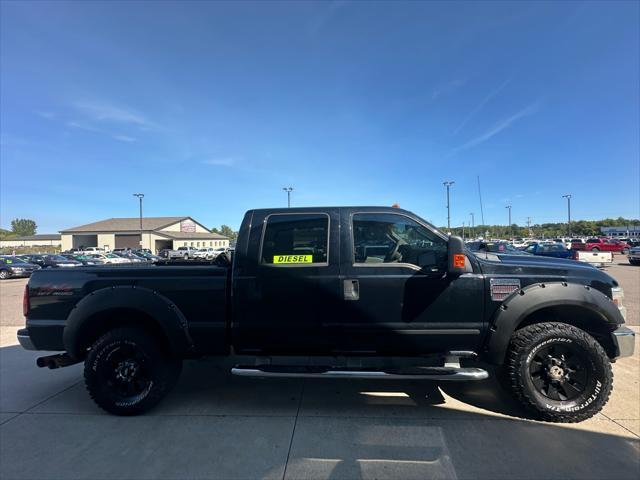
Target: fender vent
(501, 288)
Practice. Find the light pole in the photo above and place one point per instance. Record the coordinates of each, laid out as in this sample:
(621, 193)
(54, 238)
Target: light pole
(140, 197)
(473, 225)
(509, 208)
(568, 197)
(448, 185)
(288, 190)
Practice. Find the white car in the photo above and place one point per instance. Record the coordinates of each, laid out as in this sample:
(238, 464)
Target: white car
(109, 258)
(92, 250)
(206, 253)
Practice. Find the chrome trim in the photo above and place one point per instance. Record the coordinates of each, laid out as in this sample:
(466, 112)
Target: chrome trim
(451, 374)
(624, 341)
(26, 343)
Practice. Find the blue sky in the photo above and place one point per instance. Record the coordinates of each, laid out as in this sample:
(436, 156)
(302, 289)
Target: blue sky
(211, 108)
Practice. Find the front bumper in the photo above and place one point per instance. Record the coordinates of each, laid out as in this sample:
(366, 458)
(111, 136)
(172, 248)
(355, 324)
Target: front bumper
(624, 341)
(25, 339)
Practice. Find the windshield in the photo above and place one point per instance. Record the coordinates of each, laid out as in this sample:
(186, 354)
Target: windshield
(12, 260)
(59, 258)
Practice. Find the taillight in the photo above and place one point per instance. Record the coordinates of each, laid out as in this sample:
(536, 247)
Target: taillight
(26, 305)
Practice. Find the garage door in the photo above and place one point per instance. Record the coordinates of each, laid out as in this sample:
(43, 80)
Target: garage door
(127, 241)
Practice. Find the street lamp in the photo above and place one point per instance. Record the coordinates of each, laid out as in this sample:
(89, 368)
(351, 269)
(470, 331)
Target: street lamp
(509, 208)
(140, 197)
(288, 190)
(448, 185)
(568, 197)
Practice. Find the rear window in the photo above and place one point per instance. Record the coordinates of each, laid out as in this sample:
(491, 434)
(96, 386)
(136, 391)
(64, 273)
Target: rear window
(295, 239)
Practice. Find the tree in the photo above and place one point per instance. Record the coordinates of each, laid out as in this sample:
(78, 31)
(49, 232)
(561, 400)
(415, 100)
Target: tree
(23, 227)
(227, 231)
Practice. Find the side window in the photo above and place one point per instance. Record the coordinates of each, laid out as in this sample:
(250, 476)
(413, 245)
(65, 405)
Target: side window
(380, 238)
(290, 239)
(530, 249)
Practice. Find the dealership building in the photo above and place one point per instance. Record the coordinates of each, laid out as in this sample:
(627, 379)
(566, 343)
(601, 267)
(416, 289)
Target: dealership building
(157, 233)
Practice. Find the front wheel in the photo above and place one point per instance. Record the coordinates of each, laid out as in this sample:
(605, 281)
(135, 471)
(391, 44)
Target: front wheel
(559, 372)
(127, 373)
(4, 274)
(625, 251)
(595, 249)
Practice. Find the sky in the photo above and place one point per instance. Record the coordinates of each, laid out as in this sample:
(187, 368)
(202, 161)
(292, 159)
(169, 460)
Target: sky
(211, 108)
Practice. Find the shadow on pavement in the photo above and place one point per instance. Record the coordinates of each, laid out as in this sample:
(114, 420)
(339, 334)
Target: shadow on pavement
(215, 425)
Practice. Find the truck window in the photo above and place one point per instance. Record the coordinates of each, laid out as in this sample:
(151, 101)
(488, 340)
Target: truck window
(380, 238)
(295, 239)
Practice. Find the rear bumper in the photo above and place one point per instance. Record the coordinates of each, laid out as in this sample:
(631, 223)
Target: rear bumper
(25, 339)
(624, 341)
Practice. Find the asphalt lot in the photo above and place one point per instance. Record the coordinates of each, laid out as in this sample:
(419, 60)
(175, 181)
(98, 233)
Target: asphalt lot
(214, 425)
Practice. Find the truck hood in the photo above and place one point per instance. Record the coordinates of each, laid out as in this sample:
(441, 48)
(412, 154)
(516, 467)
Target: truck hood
(536, 269)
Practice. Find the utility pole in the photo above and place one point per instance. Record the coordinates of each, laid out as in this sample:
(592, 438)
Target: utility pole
(473, 226)
(509, 208)
(448, 185)
(529, 226)
(288, 190)
(140, 197)
(463, 231)
(568, 197)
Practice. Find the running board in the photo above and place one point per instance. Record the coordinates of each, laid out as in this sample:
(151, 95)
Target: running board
(415, 373)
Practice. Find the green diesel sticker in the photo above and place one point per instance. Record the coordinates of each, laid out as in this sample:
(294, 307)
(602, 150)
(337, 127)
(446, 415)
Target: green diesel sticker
(293, 259)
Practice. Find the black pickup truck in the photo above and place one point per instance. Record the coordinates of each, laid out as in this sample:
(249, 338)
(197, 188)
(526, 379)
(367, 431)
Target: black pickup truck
(339, 292)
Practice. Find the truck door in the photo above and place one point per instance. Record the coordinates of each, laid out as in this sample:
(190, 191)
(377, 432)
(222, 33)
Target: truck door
(291, 283)
(397, 295)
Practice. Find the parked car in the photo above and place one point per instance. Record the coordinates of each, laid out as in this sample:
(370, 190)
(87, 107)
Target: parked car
(503, 248)
(606, 245)
(634, 256)
(147, 255)
(132, 257)
(555, 250)
(304, 284)
(206, 253)
(13, 267)
(110, 258)
(84, 259)
(577, 244)
(52, 261)
(184, 253)
(91, 250)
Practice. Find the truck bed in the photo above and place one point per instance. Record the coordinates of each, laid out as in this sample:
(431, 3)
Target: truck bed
(198, 291)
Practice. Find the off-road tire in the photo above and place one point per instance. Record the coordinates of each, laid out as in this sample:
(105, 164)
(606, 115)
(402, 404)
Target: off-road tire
(161, 371)
(528, 341)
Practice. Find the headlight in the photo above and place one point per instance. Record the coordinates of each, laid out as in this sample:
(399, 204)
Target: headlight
(617, 296)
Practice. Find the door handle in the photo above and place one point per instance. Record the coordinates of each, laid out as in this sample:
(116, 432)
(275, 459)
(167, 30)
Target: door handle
(351, 289)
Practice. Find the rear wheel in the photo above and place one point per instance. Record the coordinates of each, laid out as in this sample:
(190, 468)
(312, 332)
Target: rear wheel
(127, 373)
(625, 251)
(559, 372)
(595, 249)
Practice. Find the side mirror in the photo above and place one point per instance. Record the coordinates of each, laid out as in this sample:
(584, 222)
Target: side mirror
(458, 261)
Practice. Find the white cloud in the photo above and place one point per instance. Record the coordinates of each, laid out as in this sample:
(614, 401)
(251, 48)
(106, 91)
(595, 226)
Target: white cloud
(92, 129)
(47, 115)
(499, 127)
(447, 88)
(221, 162)
(124, 138)
(105, 112)
(481, 105)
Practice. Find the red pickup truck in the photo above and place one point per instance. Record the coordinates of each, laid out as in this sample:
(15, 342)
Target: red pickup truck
(604, 245)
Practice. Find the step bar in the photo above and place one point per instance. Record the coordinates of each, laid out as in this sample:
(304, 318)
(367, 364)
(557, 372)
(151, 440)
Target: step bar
(415, 373)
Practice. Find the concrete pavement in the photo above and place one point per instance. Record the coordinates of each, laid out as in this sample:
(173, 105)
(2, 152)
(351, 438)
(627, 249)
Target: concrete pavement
(214, 425)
